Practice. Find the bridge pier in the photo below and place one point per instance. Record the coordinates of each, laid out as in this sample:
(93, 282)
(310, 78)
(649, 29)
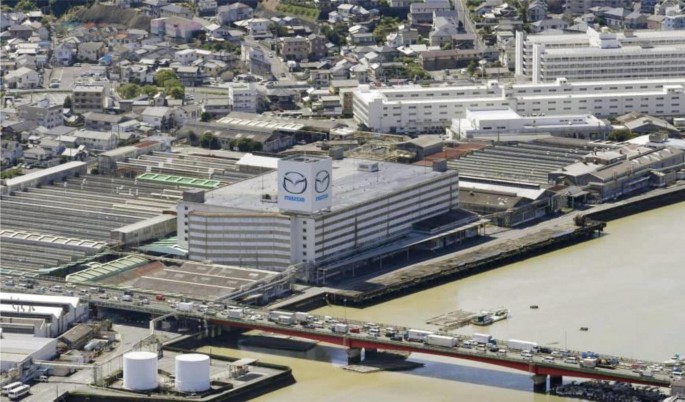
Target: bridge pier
(370, 353)
(539, 383)
(354, 355)
(555, 381)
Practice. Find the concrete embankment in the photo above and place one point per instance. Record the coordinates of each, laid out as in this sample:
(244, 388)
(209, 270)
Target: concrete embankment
(483, 258)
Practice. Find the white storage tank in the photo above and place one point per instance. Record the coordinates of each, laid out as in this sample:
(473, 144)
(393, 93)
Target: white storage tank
(140, 371)
(192, 372)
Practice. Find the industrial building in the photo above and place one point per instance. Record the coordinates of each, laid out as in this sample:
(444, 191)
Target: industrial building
(616, 173)
(601, 55)
(57, 312)
(505, 124)
(418, 110)
(19, 352)
(313, 211)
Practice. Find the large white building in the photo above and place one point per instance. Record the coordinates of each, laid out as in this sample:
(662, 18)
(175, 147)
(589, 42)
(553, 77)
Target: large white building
(416, 110)
(242, 97)
(600, 55)
(313, 210)
(506, 124)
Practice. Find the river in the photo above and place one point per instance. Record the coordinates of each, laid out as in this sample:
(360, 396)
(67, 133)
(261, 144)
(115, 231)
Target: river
(627, 287)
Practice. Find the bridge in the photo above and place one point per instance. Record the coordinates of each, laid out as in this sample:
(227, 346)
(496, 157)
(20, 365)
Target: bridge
(539, 365)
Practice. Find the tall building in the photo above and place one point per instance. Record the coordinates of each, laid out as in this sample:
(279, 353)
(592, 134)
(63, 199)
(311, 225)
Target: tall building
(418, 110)
(313, 210)
(242, 97)
(600, 55)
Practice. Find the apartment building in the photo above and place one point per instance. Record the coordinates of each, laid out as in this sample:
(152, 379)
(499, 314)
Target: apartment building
(242, 98)
(417, 110)
(89, 98)
(42, 113)
(600, 55)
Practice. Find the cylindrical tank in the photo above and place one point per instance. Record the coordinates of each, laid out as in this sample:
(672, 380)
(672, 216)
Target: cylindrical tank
(192, 372)
(140, 371)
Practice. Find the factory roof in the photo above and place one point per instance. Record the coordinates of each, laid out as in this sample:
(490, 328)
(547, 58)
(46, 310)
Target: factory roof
(48, 299)
(186, 181)
(26, 310)
(16, 347)
(350, 185)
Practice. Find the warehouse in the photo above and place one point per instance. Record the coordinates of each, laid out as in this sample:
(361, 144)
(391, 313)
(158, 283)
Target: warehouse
(21, 351)
(58, 312)
(313, 210)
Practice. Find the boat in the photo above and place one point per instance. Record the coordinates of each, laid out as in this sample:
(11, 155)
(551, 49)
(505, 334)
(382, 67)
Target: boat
(674, 361)
(484, 318)
(500, 314)
(534, 306)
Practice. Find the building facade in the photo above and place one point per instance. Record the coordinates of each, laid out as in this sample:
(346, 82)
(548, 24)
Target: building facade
(600, 55)
(416, 110)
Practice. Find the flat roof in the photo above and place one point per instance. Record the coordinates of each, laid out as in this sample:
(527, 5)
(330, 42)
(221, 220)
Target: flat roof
(29, 297)
(19, 344)
(23, 309)
(44, 172)
(350, 185)
(180, 180)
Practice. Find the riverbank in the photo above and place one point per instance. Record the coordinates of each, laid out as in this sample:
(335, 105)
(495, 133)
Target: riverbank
(529, 243)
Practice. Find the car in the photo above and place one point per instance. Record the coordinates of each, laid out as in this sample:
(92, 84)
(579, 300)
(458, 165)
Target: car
(282, 75)
(77, 64)
(526, 354)
(271, 54)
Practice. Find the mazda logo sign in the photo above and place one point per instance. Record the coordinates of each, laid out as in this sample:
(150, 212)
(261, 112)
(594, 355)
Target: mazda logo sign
(294, 183)
(322, 181)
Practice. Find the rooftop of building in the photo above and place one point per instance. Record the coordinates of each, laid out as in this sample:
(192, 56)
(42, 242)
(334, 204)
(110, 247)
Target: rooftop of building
(37, 298)
(351, 186)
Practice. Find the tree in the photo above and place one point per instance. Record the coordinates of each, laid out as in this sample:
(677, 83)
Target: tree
(471, 68)
(193, 139)
(205, 117)
(67, 103)
(208, 140)
(177, 92)
(26, 5)
(620, 135)
(162, 76)
(149, 90)
(129, 91)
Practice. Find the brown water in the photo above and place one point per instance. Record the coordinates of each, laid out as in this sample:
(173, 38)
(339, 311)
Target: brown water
(627, 287)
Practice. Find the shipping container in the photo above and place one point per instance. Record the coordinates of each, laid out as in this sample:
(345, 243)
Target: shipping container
(439, 340)
(184, 306)
(340, 328)
(275, 315)
(522, 345)
(482, 338)
(416, 335)
(236, 313)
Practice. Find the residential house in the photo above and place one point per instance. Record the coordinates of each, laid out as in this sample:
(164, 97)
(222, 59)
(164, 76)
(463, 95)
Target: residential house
(226, 15)
(96, 140)
(175, 29)
(404, 36)
(258, 28)
(255, 60)
(537, 11)
(294, 48)
(21, 31)
(42, 113)
(102, 121)
(175, 10)
(214, 68)
(186, 113)
(37, 156)
(186, 56)
(361, 39)
(674, 18)
(317, 46)
(206, 7)
(422, 13)
(22, 78)
(433, 60)
(64, 53)
(443, 31)
(154, 7)
(159, 117)
(91, 51)
(190, 76)
(548, 24)
(12, 152)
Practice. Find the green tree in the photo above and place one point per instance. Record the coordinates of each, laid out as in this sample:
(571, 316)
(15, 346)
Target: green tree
(162, 76)
(177, 91)
(26, 5)
(193, 139)
(209, 141)
(67, 103)
(620, 135)
(471, 68)
(384, 27)
(205, 117)
(129, 91)
(149, 90)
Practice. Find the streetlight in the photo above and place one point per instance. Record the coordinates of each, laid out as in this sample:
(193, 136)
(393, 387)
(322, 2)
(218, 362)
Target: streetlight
(345, 309)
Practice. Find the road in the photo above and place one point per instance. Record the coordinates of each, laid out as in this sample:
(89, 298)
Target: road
(278, 68)
(465, 17)
(318, 327)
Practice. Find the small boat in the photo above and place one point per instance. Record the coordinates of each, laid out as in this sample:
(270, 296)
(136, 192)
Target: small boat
(534, 306)
(583, 328)
(500, 314)
(484, 318)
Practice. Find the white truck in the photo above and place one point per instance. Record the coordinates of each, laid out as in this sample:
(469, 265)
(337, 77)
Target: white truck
(340, 328)
(588, 362)
(416, 335)
(301, 317)
(275, 315)
(236, 313)
(184, 306)
(482, 338)
(516, 344)
(286, 319)
(440, 340)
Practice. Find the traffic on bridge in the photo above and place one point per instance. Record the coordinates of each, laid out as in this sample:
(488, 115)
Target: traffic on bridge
(521, 355)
